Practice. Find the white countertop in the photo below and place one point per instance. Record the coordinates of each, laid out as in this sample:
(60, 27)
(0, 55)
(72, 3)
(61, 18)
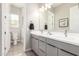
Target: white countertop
(72, 38)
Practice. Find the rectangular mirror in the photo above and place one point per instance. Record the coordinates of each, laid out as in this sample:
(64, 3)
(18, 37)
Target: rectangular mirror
(52, 17)
(46, 18)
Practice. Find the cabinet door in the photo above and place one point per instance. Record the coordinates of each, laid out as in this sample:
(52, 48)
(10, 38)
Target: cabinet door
(63, 53)
(51, 50)
(42, 48)
(35, 45)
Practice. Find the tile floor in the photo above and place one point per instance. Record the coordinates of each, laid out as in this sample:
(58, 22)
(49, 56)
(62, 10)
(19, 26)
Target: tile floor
(18, 51)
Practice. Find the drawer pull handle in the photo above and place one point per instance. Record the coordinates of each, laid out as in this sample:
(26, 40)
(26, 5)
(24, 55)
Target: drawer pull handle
(52, 45)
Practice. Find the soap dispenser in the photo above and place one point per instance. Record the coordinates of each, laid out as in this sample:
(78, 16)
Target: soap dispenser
(45, 27)
(31, 27)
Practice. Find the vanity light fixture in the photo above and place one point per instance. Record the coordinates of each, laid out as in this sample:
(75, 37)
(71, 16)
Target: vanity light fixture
(42, 9)
(45, 7)
(36, 14)
(48, 5)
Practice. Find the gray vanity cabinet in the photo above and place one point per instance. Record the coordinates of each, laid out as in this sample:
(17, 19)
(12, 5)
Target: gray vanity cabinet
(35, 45)
(63, 53)
(42, 48)
(51, 47)
(51, 50)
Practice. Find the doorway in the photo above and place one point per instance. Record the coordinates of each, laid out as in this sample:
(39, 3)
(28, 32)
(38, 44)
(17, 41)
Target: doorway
(16, 43)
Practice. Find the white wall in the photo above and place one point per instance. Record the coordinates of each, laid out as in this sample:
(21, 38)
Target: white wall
(33, 14)
(5, 28)
(28, 13)
(0, 30)
(43, 20)
(50, 21)
(24, 31)
(62, 11)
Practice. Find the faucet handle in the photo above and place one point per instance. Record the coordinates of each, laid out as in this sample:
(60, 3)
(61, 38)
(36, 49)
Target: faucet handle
(65, 33)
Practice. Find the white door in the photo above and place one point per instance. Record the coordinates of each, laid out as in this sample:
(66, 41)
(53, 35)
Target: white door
(74, 19)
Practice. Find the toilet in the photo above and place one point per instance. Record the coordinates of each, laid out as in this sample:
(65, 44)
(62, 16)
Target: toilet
(15, 37)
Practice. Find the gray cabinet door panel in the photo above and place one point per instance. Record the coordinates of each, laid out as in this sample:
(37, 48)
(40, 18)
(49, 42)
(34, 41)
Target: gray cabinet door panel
(35, 45)
(63, 53)
(52, 42)
(42, 46)
(41, 53)
(51, 51)
(42, 39)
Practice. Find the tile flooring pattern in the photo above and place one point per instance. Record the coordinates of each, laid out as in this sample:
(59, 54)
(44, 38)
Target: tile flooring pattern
(18, 51)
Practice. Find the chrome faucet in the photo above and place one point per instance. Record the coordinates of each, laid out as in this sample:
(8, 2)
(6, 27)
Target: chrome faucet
(41, 31)
(65, 33)
(49, 33)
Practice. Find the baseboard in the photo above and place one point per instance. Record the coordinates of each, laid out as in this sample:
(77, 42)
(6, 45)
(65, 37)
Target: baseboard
(28, 49)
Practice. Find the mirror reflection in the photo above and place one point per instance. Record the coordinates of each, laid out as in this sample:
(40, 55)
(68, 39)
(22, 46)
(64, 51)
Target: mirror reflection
(55, 17)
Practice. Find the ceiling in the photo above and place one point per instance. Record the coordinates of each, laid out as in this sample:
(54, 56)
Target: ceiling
(23, 4)
(56, 4)
(20, 5)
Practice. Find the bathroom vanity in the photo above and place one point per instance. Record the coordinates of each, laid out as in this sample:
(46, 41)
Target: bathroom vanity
(57, 44)
(52, 45)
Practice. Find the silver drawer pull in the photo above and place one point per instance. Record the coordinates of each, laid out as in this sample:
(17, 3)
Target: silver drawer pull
(51, 45)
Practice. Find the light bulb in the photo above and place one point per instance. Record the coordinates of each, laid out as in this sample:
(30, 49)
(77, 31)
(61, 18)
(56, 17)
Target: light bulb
(48, 5)
(45, 8)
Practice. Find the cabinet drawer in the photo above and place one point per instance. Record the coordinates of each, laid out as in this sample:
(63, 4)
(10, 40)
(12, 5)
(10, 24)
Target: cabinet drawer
(63, 53)
(42, 38)
(68, 47)
(35, 36)
(42, 46)
(52, 42)
(41, 53)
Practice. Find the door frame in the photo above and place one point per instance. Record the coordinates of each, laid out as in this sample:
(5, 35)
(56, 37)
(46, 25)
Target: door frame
(24, 19)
